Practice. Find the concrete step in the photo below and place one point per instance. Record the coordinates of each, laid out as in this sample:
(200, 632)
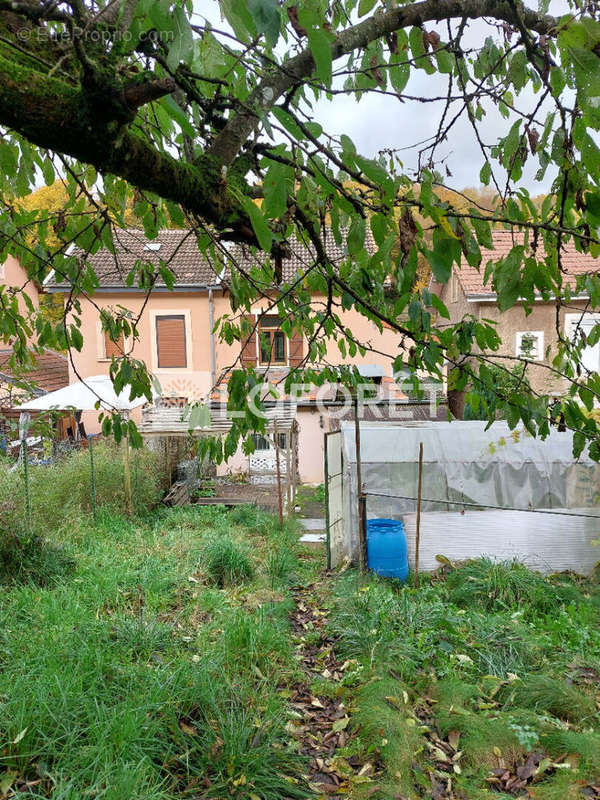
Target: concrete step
(313, 540)
(312, 524)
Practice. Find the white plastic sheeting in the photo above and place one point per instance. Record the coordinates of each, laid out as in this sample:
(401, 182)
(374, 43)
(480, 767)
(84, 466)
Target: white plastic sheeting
(468, 472)
(84, 395)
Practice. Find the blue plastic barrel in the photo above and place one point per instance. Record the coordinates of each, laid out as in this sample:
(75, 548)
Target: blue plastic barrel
(387, 554)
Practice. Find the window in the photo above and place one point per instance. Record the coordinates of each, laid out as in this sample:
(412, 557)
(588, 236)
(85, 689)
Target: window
(171, 350)
(577, 325)
(112, 348)
(530, 344)
(272, 341)
(264, 443)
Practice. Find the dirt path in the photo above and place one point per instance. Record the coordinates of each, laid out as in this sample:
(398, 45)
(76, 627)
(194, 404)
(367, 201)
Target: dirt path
(323, 720)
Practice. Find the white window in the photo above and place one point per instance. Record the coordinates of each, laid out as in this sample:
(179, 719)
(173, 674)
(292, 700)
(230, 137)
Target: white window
(530, 344)
(575, 326)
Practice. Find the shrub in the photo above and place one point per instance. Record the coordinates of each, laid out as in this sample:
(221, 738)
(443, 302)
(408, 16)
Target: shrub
(227, 563)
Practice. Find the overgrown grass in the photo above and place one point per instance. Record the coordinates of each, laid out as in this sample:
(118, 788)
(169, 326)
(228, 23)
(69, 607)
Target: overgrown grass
(64, 488)
(226, 561)
(135, 675)
(491, 655)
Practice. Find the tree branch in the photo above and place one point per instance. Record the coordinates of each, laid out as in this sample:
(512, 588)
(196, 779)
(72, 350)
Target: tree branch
(229, 142)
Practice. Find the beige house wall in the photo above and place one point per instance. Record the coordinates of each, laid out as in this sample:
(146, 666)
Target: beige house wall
(542, 318)
(13, 275)
(195, 381)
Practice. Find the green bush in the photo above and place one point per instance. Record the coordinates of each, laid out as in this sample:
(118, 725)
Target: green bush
(226, 562)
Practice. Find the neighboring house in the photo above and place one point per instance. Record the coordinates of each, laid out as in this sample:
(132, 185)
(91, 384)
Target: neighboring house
(534, 335)
(175, 330)
(13, 275)
(49, 371)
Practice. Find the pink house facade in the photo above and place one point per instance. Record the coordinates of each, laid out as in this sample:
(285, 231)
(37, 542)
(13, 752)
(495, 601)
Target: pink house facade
(176, 339)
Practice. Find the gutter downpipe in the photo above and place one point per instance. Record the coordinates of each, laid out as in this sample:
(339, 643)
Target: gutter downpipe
(211, 322)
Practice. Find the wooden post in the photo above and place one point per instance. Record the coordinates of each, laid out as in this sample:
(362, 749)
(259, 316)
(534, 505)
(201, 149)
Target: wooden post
(288, 470)
(418, 532)
(93, 479)
(278, 473)
(127, 474)
(362, 503)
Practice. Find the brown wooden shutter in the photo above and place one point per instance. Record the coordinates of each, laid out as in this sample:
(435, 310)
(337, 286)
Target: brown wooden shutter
(111, 348)
(170, 342)
(249, 351)
(296, 349)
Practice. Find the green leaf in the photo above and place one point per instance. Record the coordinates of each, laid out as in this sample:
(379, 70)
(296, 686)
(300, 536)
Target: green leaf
(486, 173)
(182, 47)
(365, 6)
(320, 46)
(278, 186)
(441, 264)
(267, 18)
(439, 306)
(259, 224)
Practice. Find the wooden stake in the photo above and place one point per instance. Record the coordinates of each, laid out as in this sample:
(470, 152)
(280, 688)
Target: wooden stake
(127, 473)
(362, 504)
(278, 474)
(418, 532)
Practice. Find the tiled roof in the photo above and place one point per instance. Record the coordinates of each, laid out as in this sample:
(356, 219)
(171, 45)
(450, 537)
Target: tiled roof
(471, 279)
(179, 250)
(51, 370)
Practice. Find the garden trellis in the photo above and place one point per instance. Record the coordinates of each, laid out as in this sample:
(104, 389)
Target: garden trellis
(486, 491)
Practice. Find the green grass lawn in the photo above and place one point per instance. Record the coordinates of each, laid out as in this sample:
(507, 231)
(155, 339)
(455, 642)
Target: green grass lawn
(153, 658)
(155, 668)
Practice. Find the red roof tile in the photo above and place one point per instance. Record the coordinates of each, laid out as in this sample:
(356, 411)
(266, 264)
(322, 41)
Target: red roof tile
(471, 279)
(51, 370)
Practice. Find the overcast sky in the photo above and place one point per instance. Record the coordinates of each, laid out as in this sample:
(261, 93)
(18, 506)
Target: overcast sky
(378, 122)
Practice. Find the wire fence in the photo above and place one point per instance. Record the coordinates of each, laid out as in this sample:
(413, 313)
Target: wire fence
(41, 483)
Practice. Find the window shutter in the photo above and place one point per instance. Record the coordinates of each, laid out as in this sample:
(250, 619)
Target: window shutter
(249, 351)
(170, 342)
(111, 348)
(296, 349)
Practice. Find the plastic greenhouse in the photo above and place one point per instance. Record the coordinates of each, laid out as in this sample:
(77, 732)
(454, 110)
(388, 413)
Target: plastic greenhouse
(493, 492)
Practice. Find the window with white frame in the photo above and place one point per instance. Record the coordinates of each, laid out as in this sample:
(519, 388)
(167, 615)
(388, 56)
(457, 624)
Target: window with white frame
(581, 325)
(530, 344)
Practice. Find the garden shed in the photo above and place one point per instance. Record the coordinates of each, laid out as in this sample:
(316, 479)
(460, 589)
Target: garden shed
(486, 491)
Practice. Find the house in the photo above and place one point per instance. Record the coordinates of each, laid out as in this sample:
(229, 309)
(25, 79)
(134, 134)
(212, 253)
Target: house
(13, 276)
(48, 371)
(177, 342)
(530, 334)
